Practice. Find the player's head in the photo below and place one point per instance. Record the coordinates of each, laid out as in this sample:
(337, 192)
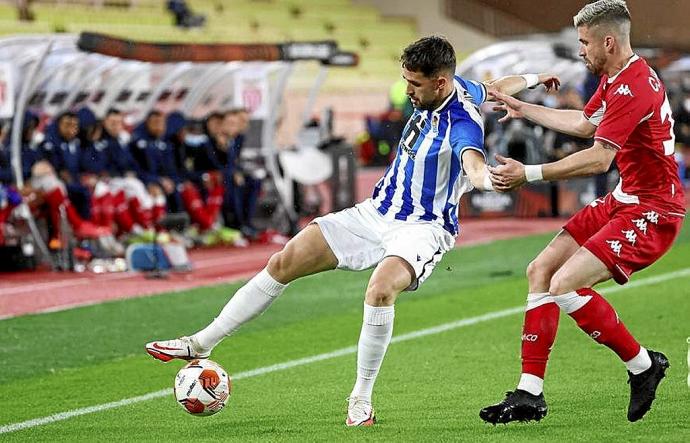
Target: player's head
(155, 123)
(214, 124)
(603, 29)
(68, 125)
(113, 122)
(231, 123)
(428, 66)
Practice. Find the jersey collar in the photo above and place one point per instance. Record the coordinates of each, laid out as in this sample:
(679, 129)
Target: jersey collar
(633, 59)
(446, 101)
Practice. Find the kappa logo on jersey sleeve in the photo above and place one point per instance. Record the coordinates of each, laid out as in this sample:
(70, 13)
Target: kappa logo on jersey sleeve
(624, 90)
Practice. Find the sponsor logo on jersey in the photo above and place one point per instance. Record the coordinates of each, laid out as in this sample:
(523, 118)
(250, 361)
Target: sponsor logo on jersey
(624, 90)
(410, 152)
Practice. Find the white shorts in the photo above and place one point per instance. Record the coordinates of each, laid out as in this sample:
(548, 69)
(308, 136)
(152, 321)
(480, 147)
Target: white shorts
(360, 237)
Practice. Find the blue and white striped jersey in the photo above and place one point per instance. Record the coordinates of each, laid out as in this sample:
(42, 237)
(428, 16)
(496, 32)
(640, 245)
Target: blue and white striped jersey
(425, 181)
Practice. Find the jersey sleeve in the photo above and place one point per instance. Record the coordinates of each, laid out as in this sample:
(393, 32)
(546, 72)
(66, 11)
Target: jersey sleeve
(594, 109)
(467, 133)
(626, 106)
(477, 90)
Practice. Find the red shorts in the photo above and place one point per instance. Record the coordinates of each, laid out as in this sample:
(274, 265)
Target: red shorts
(625, 237)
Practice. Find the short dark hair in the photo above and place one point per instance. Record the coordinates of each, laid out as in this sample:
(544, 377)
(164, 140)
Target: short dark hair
(154, 113)
(215, 115)
(430, 56)
(112, 111)
(66, 114)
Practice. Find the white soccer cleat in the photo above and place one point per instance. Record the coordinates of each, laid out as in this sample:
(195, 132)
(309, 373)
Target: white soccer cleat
(183, 348)
(359, 412)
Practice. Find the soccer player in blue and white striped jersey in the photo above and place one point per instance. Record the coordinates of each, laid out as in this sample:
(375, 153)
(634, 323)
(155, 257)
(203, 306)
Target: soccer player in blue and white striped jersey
(402, 231)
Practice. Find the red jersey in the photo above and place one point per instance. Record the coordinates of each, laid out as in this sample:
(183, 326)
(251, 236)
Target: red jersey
(632, 114)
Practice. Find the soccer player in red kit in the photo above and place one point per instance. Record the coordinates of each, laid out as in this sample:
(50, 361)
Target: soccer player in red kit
(613, 237)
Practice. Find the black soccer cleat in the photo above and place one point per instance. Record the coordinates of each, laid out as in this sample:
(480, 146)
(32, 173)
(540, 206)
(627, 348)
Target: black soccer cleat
(518, 405)
(643, 386)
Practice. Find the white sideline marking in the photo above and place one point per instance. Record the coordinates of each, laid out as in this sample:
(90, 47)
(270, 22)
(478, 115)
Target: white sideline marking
(326, 356)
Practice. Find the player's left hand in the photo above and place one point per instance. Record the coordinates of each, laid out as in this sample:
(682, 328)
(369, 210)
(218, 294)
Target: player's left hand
(511, 105)
(508, 174)
(550, 82)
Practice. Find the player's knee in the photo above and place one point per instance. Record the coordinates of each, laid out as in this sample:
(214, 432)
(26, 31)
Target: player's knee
(539, 272)
(534, 270)
(285, 266)
(278, 265)
(380, 294)
(559, 284)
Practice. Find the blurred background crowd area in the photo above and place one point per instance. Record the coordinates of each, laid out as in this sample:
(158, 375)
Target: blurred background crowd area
(113, 177)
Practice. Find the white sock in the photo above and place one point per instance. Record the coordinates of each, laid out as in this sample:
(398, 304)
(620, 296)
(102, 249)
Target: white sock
(640, 363)
(250, 301)
(377, 329)
(531, 383)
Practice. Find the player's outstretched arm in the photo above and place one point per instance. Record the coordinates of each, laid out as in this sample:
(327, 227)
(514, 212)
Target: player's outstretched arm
(475, 167)
(512, 84)
(567, 121)
(510, 174)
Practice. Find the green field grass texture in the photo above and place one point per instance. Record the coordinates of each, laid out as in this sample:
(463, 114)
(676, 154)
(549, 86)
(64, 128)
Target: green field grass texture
(430, 388)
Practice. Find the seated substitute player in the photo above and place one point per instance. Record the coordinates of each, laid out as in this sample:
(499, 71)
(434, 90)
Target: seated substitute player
(402, 231)
(612, 237)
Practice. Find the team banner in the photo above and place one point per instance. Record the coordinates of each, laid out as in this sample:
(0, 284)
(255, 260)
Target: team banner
(324, 51)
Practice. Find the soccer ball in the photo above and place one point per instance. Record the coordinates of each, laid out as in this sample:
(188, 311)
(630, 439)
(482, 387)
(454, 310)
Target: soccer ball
(202, 387)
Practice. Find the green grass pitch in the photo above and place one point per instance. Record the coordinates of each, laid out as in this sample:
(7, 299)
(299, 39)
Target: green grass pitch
(430, 388)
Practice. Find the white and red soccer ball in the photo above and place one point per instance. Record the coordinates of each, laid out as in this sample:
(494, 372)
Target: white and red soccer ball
(202, 387)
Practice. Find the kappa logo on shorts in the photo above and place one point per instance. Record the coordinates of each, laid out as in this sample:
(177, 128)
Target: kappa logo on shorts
(616, 246)
(641, 225)
(651, 216)
(630, 235)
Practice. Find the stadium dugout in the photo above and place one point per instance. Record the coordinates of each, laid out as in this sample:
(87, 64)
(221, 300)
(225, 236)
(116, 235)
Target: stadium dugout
(51, 74)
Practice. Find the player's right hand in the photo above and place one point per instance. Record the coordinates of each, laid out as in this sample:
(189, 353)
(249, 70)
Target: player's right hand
(550, 82)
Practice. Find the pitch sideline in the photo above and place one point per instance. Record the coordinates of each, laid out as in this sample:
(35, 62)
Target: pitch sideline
(13, 427)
